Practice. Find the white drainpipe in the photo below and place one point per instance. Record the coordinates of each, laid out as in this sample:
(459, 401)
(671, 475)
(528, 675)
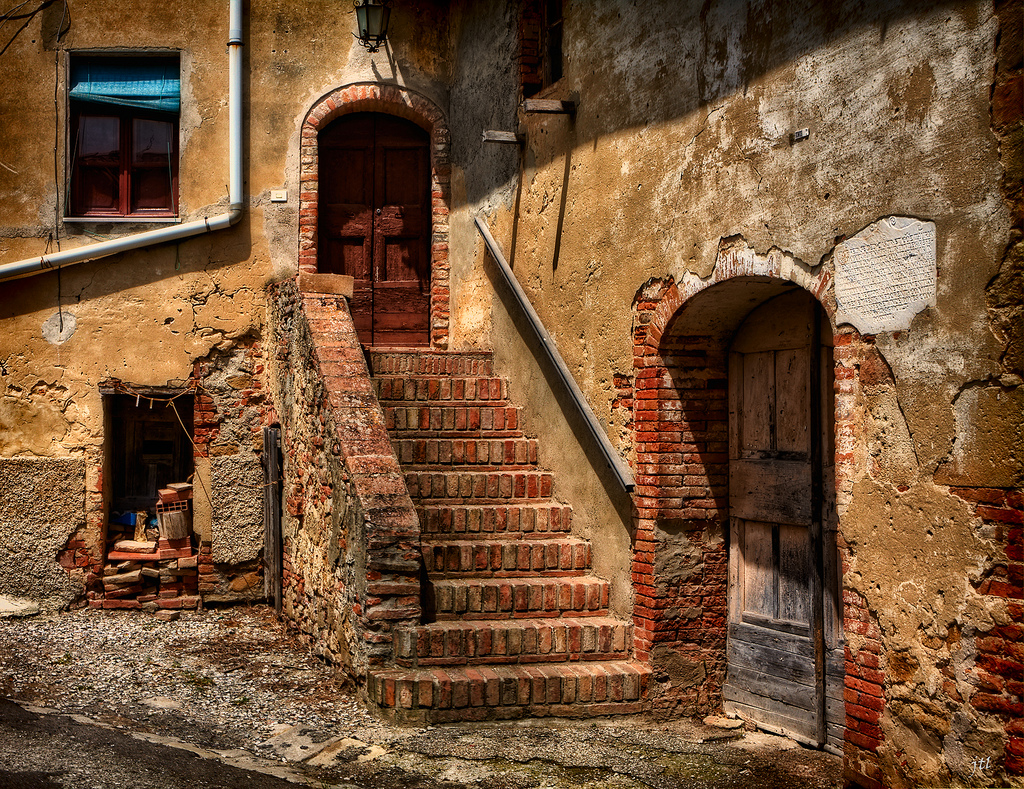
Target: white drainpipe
(34, 265)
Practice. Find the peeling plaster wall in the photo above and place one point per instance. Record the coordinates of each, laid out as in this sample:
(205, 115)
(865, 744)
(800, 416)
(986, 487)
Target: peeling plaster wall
(682, 142)
(679, 159)
(149, 317)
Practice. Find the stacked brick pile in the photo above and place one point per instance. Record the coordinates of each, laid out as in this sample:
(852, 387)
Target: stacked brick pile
(161, 575)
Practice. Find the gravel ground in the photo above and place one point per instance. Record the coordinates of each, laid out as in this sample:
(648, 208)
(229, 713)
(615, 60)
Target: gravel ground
(229, 679)
(236, 681)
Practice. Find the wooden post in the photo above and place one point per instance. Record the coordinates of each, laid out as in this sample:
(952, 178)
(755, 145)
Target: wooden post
(272, 516)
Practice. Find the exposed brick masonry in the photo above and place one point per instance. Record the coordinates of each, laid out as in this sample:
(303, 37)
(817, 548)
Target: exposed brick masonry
(681, 433)
(999, 667)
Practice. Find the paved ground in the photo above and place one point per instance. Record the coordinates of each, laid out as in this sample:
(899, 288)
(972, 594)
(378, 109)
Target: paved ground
(231, 699)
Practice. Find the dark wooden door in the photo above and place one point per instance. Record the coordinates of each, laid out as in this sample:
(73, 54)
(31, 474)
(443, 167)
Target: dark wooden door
(375, 223)
(781, 580)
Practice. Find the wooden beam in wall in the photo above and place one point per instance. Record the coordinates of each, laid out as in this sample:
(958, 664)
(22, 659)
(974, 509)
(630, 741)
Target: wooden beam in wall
(554, 106)
(491, 135)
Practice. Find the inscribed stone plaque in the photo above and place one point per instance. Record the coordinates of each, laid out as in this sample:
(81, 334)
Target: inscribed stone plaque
(885, 275)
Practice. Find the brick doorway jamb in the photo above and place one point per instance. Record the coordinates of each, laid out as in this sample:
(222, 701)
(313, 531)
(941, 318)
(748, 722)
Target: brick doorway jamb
(403, 103)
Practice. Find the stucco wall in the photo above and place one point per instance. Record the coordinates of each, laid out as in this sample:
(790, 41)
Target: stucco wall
(680, 148)
(680, 151)
(149, 317)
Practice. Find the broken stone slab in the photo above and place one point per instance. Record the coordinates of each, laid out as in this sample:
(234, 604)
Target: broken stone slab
(721, 722)
(167, 615)
(162, 703)
(328, 284)
(344, 750)
(299, 743)
(123, 579)
(14, 607)
(134, 546)
(885, 275)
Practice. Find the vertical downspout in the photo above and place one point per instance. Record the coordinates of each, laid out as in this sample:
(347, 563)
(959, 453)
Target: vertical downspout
(35, 265)
(235, 42)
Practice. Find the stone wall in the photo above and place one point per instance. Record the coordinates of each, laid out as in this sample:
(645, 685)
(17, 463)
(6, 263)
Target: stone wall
(351, 536)
(231, 408)
(321, 582)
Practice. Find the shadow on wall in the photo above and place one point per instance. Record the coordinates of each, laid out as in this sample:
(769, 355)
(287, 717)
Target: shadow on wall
(683, 58)
(569, 412)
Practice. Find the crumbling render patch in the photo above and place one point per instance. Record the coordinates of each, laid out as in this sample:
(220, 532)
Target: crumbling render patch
(42, 504)
(893, 459)
(989, 437)
(237, 488)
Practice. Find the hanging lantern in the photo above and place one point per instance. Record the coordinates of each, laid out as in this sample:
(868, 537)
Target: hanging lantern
(372, 16)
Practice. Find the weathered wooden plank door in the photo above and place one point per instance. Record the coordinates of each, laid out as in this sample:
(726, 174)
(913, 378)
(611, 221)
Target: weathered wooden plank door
(780, 595)
(375, 223)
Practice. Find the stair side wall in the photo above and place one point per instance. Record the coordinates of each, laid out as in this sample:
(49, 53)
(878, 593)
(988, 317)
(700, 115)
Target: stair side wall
(351, 536)
(601, 508)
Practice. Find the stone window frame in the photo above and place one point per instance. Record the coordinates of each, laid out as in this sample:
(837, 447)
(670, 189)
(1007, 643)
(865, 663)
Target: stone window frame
(403, 103)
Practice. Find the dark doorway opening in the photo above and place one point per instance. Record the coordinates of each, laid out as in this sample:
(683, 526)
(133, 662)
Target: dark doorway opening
(150, 446)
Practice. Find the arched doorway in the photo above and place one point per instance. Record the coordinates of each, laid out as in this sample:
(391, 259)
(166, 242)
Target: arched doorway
(785, 665)
(375, 223)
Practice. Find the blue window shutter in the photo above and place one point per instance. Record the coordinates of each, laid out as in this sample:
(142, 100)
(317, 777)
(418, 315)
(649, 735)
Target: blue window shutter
(153, 85)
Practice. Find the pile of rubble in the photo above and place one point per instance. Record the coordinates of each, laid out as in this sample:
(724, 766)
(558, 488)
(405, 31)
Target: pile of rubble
(156, 570)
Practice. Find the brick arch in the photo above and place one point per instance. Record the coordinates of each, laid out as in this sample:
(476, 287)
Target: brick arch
(403, 103)
(732, 264)
(680, 399)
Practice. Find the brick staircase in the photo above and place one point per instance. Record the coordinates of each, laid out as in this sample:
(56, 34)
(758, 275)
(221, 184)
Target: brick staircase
(514, 625)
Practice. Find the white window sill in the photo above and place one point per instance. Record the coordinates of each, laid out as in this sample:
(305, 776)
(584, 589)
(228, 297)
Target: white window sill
(124, 220)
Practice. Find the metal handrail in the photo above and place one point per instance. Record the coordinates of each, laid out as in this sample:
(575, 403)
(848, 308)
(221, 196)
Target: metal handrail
(615, 463)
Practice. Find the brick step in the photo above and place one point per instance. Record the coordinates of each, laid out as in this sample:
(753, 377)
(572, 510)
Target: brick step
(498, 598)
(426, 362)
(458, 642)
(496, 521)
(566, 690)
(505, 558)
(325, 324)
(489, 485)
(429, 389)
(466, 420)
(520, 452)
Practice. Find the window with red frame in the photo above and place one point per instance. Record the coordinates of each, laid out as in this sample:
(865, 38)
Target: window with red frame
(124, 137)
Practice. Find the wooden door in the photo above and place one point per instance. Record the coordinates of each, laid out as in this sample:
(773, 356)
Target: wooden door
(783, 631)
(374, 223)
